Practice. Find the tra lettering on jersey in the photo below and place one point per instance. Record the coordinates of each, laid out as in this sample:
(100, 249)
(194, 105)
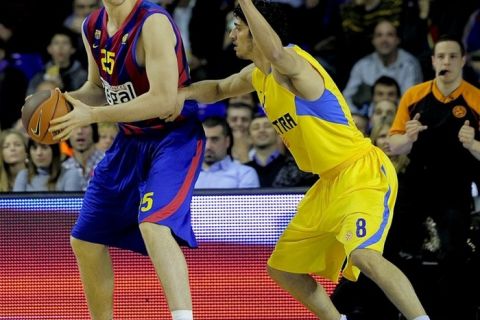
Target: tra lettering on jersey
(118, 94)
(284, 123)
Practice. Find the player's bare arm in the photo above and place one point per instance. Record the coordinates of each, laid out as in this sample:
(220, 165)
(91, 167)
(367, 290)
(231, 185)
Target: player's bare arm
(294, 72)
(208, 91)
(157, 52)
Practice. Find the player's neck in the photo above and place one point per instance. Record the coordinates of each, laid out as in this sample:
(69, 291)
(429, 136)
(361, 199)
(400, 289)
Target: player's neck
(117, 14)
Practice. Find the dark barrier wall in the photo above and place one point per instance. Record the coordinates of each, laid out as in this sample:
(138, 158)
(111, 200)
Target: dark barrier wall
(236, 233)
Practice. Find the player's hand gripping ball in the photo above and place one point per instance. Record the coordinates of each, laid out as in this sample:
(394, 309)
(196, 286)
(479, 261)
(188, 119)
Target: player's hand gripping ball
(39, 109)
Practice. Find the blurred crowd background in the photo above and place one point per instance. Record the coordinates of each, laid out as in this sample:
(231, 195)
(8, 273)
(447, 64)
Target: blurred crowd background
(375, 50)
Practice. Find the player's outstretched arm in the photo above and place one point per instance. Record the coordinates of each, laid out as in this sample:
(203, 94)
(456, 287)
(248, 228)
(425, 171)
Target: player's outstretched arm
(209, 91)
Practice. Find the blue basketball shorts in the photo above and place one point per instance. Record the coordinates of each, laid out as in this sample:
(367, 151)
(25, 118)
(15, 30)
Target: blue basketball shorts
(143, 179)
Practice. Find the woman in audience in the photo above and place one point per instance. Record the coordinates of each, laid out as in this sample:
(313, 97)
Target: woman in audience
(107, 132)
(379, 137)
(12, 158)
(44, 171)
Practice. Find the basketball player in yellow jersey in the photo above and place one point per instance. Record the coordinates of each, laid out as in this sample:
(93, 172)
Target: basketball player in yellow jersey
(348, 212)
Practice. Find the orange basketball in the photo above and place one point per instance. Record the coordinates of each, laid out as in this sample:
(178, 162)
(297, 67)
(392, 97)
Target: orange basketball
(39, 109)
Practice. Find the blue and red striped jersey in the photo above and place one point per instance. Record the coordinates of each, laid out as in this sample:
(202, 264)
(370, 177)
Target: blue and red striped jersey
(122, 77)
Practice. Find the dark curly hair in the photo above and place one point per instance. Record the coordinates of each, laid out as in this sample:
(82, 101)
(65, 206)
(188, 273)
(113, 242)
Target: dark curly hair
(275, 15)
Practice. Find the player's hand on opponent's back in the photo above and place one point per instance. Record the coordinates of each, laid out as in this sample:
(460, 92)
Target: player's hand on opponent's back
(178, 106)
(80, 116)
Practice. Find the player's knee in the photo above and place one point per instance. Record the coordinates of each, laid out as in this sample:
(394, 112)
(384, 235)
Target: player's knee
(273, 273)
(84, 248)
(153, 233)
(277, 275)
(366, 260)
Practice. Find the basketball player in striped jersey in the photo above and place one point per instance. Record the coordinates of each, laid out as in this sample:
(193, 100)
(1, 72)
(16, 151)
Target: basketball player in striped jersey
(348, 212)
(139, 197)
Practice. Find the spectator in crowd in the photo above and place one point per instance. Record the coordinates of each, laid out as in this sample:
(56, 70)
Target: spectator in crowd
(13, 86)
(267, 158)
(85, 156)
(387, 59)
(44, 171)
(383, 111)
(379, 136)
(80, 10)
(358, 19)
(107, 131)
(13, 157)
(239, 117)
(384, 88)
(62, 67)
(274, 168)
(219, 170)
(437, 126)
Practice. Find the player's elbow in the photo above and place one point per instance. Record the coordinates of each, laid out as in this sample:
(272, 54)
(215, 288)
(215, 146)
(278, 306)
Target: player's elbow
(168, 108)
(164, 105)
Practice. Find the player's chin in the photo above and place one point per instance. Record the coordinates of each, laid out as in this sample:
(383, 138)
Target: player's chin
(239, 54)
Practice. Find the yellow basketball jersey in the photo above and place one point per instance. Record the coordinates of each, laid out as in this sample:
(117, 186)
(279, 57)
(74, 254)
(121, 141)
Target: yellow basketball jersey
(320, 134)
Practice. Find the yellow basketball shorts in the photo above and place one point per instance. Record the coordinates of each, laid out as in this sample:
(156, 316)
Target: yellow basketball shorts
(344, 210)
